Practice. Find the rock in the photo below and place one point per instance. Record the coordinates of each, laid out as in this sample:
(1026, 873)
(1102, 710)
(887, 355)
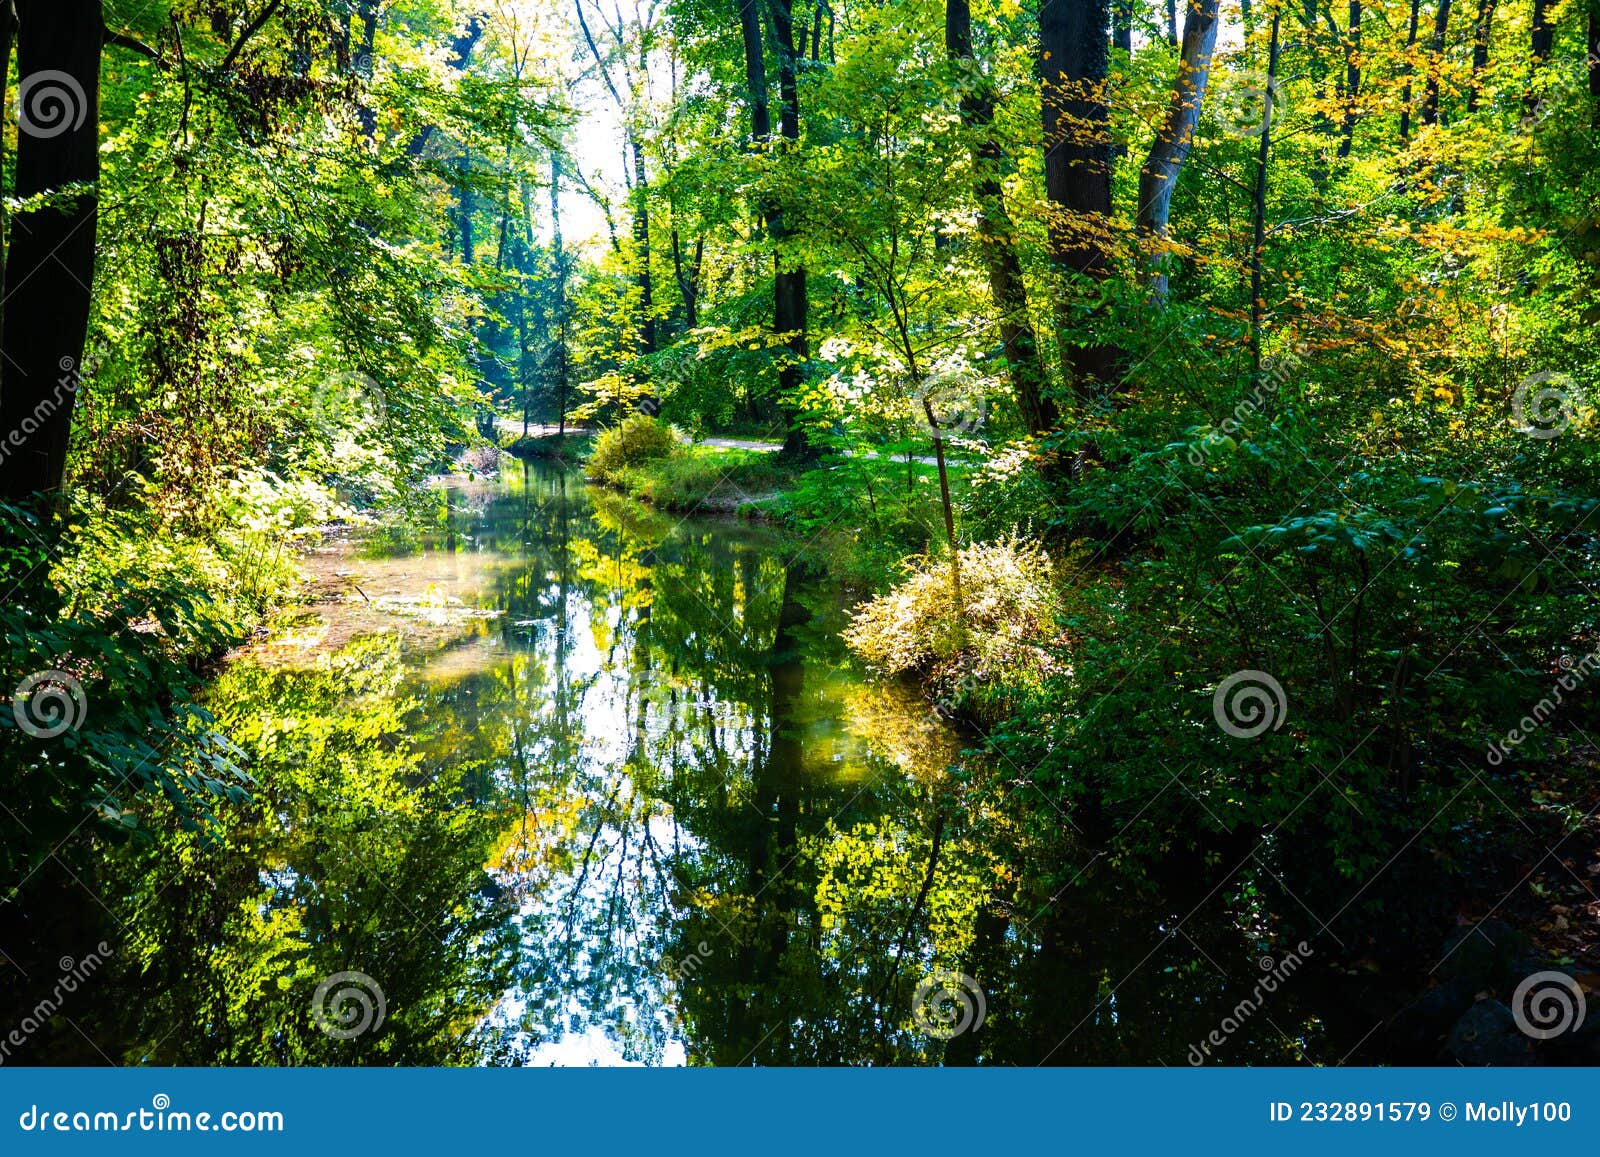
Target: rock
(1487, 957)
(1487, 1034)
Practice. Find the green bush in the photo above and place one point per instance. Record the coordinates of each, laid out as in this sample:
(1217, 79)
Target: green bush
(708, 480)
(637, 439)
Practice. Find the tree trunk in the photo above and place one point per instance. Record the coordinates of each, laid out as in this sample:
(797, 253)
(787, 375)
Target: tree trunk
(363, 64)
(1441, 26)
(8, 40)
(790, 304)
(755, 72)
(688, 277)
(641, 247)
(464, 209)
(1122, 25)
(1259, 214)
(1480, 52)
(1405, 96)
(558, 257)
(1352, 81)
(995, 228)
(50, 269)
(1594, 59)
(1543, 32)
(1172, 22)
(1073, 64)
(1171, 147)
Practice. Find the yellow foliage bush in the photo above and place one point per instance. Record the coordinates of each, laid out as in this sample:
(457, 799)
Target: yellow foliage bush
(1006, 631)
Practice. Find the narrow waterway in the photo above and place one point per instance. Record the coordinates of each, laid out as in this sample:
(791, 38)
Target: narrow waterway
(572, 781)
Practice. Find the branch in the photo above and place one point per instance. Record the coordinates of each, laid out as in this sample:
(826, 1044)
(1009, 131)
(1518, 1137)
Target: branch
(605, 73)
(132, 44)
(244, 37)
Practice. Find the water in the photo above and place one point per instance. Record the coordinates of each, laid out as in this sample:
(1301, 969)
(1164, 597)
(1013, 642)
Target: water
(578, 782)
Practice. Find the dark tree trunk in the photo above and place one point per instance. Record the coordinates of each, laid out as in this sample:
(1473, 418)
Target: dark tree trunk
(50, 269)
(789, 283)
(1073, 63)
(1594, 58)
(1171, 147)
(1480, 52)
(641, 247)
(1441, 27)
(995, 228)
(1172, 22)
(8, 40)
(464, 210)
(1122, 25)
(1544, 32)
(1405, 96)
(688, 277)
(755, 72)
(363, 63)
(1352, 79)
(1259, 214)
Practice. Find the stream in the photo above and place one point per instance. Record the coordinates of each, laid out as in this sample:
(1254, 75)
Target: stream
(571, 781)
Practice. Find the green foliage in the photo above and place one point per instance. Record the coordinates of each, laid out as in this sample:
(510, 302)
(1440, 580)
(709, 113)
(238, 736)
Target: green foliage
(128, 622)
(707, 479)
(635, 440)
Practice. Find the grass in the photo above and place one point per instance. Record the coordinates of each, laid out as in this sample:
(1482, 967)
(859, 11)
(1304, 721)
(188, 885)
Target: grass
(709, 479)
(571, 447)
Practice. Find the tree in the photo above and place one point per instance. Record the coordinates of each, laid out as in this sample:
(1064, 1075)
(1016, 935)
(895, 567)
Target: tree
(50, 269)
(1352, 82)
(1073, 67)
(1159, 175)
(1441, 27)
(790, 302)
(995, 227)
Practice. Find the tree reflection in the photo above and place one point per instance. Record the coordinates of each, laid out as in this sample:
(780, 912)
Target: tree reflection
(657, 820)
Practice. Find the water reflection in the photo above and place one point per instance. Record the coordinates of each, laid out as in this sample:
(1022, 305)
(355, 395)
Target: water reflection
(645, 813)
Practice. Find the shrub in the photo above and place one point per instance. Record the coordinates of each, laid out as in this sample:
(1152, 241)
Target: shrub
(708, 480)
(637, 439)
(1006, 633)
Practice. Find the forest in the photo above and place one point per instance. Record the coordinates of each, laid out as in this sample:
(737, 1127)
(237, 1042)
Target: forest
(807, 532)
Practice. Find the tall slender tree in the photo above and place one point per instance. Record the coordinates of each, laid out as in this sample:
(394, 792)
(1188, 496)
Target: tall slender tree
(995, 227)
(790, 303)
(1441, 29)
(1352, 79)
(1170, 149)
